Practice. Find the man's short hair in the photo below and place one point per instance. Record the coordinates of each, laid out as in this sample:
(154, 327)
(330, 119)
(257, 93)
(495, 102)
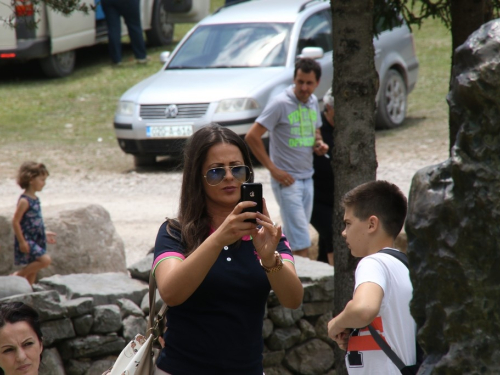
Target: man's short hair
(381, 199)
(308, 65)
(328, 98)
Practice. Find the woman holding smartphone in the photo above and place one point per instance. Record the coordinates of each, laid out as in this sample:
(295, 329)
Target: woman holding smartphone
(214, 269)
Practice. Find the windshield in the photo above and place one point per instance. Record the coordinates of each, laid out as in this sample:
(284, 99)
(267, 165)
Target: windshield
(233, 46)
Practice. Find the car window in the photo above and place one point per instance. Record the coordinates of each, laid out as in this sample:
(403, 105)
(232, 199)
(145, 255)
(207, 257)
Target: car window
(316, 32)
(234, 45)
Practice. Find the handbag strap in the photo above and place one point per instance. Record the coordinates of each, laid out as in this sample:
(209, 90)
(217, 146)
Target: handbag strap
(386, 348)
(402, 257)
(154, 318)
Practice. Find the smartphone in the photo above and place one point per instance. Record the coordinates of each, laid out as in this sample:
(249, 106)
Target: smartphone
(252, 191)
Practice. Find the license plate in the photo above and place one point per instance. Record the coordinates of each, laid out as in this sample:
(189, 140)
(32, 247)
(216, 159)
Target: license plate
(169, 131)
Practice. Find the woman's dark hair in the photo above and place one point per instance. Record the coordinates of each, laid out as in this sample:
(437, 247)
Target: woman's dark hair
(14, 312)
(193, 221)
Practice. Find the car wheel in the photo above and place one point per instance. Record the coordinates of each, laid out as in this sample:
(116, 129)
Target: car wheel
(392, 102)
(144, 161)
(59, 65)
(162, 31)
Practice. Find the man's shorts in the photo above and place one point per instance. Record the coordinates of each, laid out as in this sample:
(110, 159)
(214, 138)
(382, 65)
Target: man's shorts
(296, 203)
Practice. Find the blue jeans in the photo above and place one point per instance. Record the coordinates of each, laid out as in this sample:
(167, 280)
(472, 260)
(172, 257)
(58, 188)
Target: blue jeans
(131, 13)
(296, 203)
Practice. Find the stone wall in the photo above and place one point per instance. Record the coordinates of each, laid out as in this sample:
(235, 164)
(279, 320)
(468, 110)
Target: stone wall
(87, 319)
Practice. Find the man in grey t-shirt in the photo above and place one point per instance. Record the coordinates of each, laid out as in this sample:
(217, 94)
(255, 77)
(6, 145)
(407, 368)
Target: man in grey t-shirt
(293, 120)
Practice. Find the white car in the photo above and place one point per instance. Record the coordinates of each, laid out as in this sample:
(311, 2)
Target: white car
(231, 63)
(55, 37)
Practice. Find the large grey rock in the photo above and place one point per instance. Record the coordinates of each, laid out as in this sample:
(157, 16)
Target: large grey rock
(133, 325)
(283, 338)
(91, 346)
(83, 324)
(99, 367)
(453, 223)
(77, 367)
(86, 241)
(78, 306)
(127, 308)
(56, 330)
(310, 270)
(51, 363)
(142, 268)
(104, 288)
(47, 304)
(12, 285)
(312, 358)
(271, 359)
(284, 317)
(107, 319)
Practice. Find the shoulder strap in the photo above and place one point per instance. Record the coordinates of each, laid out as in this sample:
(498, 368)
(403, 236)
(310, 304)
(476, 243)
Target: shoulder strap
(155, 320)
(396, 254)
(386, 348)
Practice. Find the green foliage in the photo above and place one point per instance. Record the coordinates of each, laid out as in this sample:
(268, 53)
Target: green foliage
(415, 11)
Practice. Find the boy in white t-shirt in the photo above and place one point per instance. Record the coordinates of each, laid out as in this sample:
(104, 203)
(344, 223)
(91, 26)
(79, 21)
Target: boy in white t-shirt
(374, 215)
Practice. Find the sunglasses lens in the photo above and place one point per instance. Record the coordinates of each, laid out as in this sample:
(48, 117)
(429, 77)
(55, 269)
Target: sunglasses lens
(215, 175)
(241, 173)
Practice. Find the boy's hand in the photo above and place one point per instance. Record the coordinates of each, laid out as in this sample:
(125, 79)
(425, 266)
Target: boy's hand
(51, 237)
(342, 339)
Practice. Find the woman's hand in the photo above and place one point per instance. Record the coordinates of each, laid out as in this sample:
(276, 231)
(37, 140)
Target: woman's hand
(234, 227)
(267, 238)
(24, 247)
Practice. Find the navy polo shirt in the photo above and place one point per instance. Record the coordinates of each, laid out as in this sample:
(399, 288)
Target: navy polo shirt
(218, 329)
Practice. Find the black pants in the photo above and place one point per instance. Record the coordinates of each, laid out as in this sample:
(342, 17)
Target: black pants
(322, 221)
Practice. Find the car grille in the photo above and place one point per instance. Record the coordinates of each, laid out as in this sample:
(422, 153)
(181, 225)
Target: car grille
(157, 112)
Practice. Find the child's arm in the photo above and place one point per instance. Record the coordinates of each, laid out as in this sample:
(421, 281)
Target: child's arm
(22, 207)
(359, 312)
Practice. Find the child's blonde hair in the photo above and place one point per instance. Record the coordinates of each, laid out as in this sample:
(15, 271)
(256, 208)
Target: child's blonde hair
(28, 171)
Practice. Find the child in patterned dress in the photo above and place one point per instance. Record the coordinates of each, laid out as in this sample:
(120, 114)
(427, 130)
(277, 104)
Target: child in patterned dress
(30, 235)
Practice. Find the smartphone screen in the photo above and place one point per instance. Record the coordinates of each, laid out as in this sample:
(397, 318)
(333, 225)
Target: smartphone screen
(252, 191)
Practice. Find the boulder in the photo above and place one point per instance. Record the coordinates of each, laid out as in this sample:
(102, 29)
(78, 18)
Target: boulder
(87, 241)
(12, 285)
(91, 346)
(104, 288)
(47, 304)
(312, 358)
(51, 363)
(453, 223)
(142, 268)
(107, 319)
(56, 330)
(283, 338)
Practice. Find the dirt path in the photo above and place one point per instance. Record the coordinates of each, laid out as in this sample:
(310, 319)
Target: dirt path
(138, 201)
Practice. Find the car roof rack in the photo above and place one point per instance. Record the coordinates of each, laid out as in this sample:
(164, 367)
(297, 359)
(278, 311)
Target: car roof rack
(230, 4)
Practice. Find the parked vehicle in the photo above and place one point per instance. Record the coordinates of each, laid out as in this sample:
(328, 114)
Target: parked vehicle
(231, 63)
(51, 37)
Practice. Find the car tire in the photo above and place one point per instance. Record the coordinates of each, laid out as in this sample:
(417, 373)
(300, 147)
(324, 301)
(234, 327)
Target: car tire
(162, 31)
(393, 99)
(59, 65)
(144, 160)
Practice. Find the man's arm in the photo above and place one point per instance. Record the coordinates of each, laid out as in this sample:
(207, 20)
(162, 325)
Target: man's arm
(254, 141)
(359, 312)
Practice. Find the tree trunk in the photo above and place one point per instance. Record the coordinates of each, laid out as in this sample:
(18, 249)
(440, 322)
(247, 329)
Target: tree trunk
(354, 160)
(466, 17)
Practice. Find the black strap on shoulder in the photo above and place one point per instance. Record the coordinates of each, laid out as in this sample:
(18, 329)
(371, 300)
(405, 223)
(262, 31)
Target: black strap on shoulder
(396, 254)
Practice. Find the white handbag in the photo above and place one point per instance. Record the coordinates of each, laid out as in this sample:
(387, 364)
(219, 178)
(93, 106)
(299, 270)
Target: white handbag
(139, 356)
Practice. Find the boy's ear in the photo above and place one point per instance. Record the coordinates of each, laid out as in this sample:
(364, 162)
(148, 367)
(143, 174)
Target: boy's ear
(373, 224)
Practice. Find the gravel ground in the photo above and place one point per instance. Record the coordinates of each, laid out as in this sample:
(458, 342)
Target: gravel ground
(139, 200)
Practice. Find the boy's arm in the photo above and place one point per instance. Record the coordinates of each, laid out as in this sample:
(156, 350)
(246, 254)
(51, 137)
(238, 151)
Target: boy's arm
(360, 311)
(21, 209)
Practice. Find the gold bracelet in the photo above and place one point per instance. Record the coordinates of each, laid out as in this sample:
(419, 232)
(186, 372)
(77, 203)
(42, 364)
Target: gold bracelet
(278, 266)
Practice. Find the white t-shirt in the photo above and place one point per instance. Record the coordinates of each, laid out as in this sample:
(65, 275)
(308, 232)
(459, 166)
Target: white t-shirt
(394, 322)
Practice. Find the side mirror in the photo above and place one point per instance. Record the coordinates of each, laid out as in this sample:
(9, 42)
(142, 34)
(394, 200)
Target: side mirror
(164, 57)
(312, 53)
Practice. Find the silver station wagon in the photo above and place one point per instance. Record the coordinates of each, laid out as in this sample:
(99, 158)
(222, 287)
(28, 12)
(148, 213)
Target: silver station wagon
(231, 63)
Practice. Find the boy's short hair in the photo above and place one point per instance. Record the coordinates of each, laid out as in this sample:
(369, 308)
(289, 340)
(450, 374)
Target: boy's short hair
(381, 199)
(307, 65)
(28, 171)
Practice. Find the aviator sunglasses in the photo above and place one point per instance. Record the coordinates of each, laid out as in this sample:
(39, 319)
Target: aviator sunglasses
(214, 176)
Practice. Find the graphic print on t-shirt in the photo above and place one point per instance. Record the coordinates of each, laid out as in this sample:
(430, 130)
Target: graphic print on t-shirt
(302, 129)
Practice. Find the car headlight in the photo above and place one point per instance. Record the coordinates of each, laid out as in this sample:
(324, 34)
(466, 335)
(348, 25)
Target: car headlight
(125, 109)
(235, 105)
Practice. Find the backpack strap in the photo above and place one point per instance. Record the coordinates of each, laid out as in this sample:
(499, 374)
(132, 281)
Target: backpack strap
(396, 254)
(386, 348)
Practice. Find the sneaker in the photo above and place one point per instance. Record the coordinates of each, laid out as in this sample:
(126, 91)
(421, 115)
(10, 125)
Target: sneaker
(143, 61)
